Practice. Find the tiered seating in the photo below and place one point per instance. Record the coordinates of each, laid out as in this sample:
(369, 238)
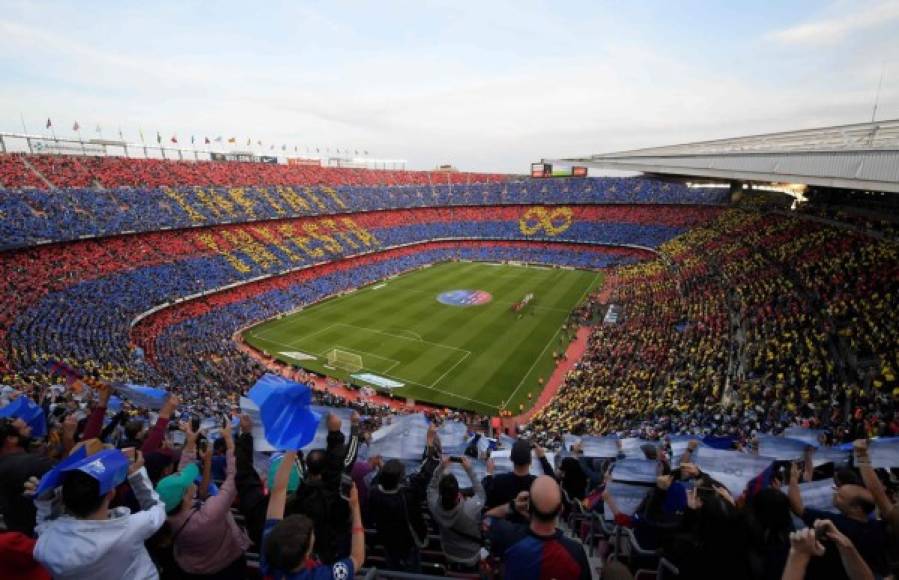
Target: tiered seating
(14, 173)
(77, 301)
(34, 216)
(110, 172)
(795, 313)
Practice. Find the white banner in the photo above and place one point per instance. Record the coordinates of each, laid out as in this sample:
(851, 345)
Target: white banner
(782, 448)
(627, 498)
(731, 468)
(884, 452)
(635, 470)
(818, 495)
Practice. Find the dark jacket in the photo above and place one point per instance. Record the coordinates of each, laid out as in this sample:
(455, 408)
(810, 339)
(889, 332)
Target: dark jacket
(397, 514)
(320, 500)
(15, 468)
(503, 488)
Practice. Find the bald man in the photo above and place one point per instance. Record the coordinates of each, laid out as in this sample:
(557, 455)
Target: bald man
(538, 550)
(856, 508)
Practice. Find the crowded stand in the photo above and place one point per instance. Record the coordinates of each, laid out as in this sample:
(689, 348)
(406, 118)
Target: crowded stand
(84, 308)
(114, 172)
(736, 419)
(759, 321)
(35, 216)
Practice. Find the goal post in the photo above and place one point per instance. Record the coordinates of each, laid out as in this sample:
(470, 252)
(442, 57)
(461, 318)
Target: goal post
(342, 359)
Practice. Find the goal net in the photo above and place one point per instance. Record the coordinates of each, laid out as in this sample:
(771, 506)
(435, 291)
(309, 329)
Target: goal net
(342, 359)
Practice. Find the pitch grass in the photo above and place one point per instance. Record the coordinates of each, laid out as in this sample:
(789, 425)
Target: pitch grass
(477, 358)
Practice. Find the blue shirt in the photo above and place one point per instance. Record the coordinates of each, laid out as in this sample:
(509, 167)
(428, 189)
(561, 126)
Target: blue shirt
(340, 570)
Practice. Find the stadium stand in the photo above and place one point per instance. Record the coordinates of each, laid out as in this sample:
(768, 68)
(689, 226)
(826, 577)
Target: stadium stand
(741, 328)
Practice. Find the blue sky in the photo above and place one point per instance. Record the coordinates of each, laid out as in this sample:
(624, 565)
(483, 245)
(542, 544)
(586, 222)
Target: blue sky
(482, 85)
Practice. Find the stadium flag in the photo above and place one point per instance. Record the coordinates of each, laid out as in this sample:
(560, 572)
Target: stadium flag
(72, 377)
(283, 147)
(284, 408)
(206, 140)
(402, 439)
(502, 459)
(810, 436)
(121, 137)
(76, 127)
(232, 140)
(259, 142)
(249, 142)
(453, 437)
(818, 495)
(604, 447)
(830, 455)
(759, 482)
(174, 139)
(99, 129)
(141, 131)
(884, 452)
(782, 448)
(218, 139)
(732, 468)
(49, 123)
(627, 498)
(635, 470)
(632, 447)
(142, 396)
(158, 138)
(191, 139)
(679, 444)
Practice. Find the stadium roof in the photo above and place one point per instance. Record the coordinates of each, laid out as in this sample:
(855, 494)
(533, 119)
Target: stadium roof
(863, 156)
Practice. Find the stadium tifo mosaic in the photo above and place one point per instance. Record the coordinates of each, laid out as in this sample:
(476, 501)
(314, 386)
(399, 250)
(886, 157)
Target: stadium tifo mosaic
(465, 298)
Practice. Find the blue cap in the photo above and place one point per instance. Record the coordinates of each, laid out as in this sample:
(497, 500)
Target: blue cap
(53, 478)
(109, 467)
(27, 410)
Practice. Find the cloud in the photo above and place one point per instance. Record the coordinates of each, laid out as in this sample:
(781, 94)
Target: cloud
(835, 29)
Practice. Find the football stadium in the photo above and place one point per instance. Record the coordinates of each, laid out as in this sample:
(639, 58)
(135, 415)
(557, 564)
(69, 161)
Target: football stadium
(437, 302)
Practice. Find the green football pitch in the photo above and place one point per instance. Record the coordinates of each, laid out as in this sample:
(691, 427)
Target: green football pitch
(477, 357)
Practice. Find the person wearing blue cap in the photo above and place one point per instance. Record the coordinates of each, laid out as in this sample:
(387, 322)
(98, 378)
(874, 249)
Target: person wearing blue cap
(90, 540)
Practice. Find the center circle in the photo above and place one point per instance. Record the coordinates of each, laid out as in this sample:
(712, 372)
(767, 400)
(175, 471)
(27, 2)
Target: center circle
(464, 298)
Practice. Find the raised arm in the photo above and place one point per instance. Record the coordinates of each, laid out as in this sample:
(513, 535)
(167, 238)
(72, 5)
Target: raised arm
(544, 462)
(152, 514)
(855, 565)
(803, 546)
(808, 458)
(278, 496)
(189, 453)
(217, 506)
(94, 424)
(154, 438)
(869, 477)
(357, 546)
(793, 494)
